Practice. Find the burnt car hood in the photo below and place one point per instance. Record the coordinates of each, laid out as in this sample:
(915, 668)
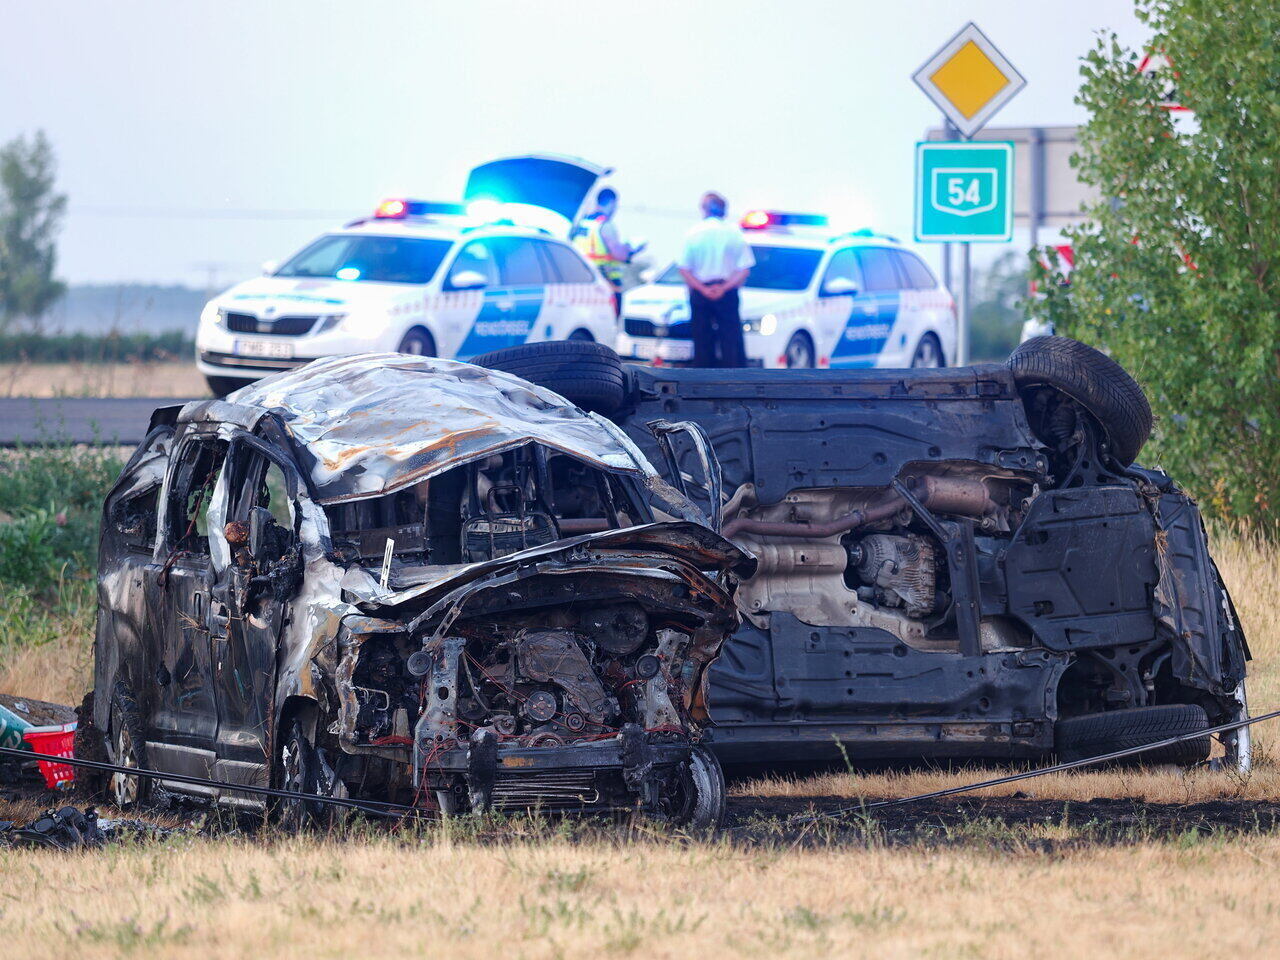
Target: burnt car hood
(691, 543)
(371, 424)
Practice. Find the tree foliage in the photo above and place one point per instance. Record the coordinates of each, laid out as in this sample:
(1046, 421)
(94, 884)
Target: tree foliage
(1177, 269)
(30, 217)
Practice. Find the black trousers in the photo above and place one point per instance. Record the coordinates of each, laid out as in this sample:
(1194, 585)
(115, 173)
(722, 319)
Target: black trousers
(717, 331)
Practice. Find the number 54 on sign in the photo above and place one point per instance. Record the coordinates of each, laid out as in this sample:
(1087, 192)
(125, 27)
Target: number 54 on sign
(963, 191)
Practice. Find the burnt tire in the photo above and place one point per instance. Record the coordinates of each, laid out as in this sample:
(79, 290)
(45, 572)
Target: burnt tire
(297, 772)
(587, 374)
(700, 802)
(1092, 379)
(128, 748)
(1093, 734)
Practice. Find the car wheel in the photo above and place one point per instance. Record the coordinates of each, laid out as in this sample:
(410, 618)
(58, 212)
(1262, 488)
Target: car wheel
(128, 749)
(418, 342)
(928, 353)
(582, 336)
(799, 352)
(221, 386)
(586, 374)
(1094, 734)
(1093, 380)
(296, 773)
(698, 802)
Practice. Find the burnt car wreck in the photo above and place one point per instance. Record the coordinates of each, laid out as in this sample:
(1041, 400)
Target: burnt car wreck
(951, 563)
(399, 578)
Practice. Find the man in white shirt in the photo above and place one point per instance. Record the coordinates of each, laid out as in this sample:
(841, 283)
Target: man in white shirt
(715, 263)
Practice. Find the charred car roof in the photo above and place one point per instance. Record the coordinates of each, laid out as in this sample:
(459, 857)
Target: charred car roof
(369, 425)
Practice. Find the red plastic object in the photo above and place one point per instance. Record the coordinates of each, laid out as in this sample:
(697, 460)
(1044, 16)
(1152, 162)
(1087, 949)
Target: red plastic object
(59, 741)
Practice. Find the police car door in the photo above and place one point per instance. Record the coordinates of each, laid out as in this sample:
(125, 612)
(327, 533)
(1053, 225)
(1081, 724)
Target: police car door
(471, 280)
(574, 302)
(875, 308)
(509, 311)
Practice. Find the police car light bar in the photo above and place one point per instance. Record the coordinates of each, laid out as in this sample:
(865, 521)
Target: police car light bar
(764, 219)
(400, 209)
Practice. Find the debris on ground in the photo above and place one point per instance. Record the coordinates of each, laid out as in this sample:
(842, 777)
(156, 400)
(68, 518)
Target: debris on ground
(66, 828)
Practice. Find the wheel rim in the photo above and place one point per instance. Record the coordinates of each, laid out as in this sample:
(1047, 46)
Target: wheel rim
(927, 354)
(124, 787)
(799, 354)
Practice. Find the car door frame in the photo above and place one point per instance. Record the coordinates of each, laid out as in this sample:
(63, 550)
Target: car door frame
(181, 719)
(249, 650)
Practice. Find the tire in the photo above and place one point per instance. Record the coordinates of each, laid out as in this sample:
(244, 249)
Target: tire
(700, 803)
(418, 342)
(1093, 734)
(297, 773)
(1095, 381)
(221, 386)
(582, 336)
(928, 355)
(799, 352)
(586, 374)
(128, 749)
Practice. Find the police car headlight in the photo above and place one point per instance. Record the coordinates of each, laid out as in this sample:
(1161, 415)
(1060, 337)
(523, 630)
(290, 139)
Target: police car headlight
(766, 326)
(328, 323)
(211, 314)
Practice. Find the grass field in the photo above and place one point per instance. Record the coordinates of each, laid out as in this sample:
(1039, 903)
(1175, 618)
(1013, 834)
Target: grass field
(139, 379)
(967, 884)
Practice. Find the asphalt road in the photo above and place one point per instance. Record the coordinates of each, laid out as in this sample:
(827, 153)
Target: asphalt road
(119, 420)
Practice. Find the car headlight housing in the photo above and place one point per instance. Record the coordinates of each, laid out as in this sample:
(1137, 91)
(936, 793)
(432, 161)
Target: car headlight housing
(212, 314)
(328, 323)
(766, 326)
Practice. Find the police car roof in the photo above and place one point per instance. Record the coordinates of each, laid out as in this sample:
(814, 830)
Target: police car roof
(441, 228)
(818, 240)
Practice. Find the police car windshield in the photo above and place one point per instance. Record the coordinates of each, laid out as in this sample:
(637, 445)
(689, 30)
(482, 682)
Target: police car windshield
(377, 259)
(777, 268)
(782, 268)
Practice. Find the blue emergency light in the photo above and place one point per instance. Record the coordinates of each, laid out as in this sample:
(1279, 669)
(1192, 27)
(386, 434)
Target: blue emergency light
(772, 219)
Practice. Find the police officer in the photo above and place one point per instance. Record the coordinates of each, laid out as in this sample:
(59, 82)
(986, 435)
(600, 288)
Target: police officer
(715, 263)
(596, 235)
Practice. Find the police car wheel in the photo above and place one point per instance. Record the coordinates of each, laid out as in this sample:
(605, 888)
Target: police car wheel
(799, 352)
(1093, 380)
(928, 353)
(418, 343)
(586, 374)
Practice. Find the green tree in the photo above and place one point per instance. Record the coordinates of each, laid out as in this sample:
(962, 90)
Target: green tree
(30, 218)
(1177, 269)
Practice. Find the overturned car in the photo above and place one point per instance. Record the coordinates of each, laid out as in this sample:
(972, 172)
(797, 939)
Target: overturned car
(392, 577)
(951, 563)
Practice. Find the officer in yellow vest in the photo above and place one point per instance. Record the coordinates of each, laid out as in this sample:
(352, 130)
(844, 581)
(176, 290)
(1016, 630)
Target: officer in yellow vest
(596, 235)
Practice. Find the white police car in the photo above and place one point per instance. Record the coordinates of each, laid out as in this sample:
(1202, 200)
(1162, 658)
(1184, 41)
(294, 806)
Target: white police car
(447, 280)
(814, 299)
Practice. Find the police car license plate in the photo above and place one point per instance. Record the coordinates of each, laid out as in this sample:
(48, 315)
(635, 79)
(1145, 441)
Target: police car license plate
(264, 348)
(650, 347)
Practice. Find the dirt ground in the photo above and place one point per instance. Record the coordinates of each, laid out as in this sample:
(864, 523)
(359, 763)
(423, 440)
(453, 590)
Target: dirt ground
(101, 380)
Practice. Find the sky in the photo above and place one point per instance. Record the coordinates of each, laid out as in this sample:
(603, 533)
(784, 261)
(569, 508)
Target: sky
(196, 140)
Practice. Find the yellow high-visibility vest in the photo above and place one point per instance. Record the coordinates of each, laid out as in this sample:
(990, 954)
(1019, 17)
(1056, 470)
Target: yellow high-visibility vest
(593, 247)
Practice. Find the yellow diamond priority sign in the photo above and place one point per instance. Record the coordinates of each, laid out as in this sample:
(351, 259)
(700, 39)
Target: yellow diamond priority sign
(969, 80)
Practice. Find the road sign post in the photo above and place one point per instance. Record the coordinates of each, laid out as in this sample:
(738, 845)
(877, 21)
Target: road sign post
(966, 198)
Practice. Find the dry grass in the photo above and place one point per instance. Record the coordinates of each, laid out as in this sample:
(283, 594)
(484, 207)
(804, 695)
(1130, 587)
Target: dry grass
(59, 670)
(313, 899)
(170, 379)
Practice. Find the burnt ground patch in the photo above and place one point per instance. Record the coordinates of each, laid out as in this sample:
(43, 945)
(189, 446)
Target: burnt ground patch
(1013, 821)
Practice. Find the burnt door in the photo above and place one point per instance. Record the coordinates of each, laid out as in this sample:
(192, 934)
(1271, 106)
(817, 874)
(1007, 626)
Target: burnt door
(178, 585)
(263, 573)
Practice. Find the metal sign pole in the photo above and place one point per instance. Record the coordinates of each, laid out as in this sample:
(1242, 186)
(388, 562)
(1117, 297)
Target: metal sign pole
(962, 332)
